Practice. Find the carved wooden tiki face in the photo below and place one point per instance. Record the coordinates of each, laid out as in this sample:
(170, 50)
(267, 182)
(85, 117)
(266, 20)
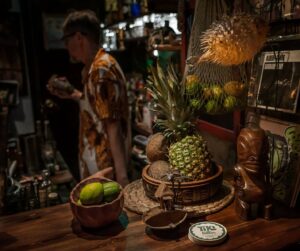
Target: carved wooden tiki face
(251, 147)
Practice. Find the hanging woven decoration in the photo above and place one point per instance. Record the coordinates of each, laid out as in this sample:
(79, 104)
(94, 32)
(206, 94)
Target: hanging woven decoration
(215, 89)
(233, 40)
(222, 40)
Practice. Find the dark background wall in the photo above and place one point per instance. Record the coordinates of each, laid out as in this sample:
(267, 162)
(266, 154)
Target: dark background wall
(42, 63)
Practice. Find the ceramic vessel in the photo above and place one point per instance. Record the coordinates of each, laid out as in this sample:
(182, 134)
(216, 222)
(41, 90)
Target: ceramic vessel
(95, 216)
(159, 219)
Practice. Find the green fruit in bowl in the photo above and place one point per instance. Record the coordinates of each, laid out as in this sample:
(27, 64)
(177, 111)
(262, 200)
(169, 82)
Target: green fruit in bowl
(79, 203)
(111, 191)
(91, 193)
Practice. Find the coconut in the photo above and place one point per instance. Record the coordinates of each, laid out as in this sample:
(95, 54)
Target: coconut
(157, 148)
(159, 169)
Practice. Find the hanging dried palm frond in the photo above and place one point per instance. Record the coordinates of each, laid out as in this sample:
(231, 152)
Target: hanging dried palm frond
(233, 40)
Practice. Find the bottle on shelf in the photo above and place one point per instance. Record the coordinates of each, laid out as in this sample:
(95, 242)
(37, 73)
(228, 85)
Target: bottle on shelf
(126, 9)
(39, 132)
(49, 149)
(33, 197)
(22, 199)
(27, 193)
(53, 199)
(45, 188)
(144, 7)
(135, 9)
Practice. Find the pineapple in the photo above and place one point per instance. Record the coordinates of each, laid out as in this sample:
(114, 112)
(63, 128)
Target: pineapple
(187, 153)
(174, 113)
(191, 158)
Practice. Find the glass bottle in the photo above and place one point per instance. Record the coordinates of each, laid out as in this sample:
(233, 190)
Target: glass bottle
(49, 149)
(39, 132)
(53, 199)
(45, 188)
(33, 199)
(36, 192)
(144, 6)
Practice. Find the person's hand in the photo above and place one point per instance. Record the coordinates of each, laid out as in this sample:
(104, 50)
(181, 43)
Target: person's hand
(109, 173)
(105, 173)
(55, 91)
(63, 89)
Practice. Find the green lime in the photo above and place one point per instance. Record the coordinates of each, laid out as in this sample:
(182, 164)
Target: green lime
(92, 193)
(111, 190)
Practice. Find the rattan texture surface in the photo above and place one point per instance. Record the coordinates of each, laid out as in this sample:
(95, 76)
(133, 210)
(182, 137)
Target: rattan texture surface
(137, 201)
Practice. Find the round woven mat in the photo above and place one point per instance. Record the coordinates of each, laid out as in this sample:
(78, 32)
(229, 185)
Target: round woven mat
(136, 200)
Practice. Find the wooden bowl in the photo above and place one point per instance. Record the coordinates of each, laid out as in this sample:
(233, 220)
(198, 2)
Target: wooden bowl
(159, 219)
(192, 192)
(95, 216)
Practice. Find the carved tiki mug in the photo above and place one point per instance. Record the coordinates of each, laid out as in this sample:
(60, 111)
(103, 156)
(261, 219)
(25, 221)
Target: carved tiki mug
(251, 174)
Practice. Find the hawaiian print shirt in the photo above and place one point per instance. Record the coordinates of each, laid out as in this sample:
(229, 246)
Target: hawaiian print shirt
(104, 97)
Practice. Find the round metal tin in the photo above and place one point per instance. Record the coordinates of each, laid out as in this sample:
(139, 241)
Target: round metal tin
(207, 233)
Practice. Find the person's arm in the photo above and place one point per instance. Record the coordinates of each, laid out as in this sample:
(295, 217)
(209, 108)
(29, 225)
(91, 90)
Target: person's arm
(106, 172)
(117, 146)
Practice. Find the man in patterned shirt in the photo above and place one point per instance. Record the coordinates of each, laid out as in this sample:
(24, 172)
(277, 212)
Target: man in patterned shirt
(104, 116)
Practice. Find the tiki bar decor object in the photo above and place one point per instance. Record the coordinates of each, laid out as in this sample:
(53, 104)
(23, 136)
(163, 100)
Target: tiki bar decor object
(164, 217)
(252, 195)
(178, 153)
(233, 40)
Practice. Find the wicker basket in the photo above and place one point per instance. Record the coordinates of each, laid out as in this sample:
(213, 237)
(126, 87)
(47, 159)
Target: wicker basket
(188, 192)
(95, 216)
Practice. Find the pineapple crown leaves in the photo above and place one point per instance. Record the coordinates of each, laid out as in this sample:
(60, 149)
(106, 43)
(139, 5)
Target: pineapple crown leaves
(171, 103)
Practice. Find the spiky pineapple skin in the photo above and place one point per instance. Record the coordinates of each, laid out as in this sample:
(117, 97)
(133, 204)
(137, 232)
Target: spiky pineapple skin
(191, 158)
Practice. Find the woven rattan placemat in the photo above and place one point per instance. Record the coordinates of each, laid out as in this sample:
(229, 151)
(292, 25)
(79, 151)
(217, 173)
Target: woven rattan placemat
(137, 201)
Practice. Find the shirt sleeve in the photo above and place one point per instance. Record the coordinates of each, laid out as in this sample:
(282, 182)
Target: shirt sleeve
(106, 94)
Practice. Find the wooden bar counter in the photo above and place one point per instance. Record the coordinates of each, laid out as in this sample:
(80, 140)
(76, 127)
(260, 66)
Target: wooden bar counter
(53, 228)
